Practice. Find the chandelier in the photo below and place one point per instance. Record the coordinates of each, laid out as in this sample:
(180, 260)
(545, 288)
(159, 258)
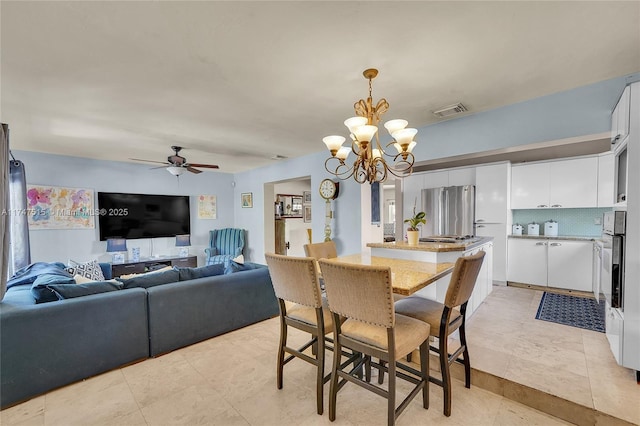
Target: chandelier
(370, 164)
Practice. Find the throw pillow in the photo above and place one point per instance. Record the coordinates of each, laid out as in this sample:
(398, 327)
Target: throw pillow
(238, 267)
(68, 291)
(151, 280)
(239, 259)
(81, 280)
(186, 274)
(89, 270)
(43, 294)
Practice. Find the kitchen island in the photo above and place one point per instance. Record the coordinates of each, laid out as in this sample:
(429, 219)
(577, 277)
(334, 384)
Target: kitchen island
(437, 252)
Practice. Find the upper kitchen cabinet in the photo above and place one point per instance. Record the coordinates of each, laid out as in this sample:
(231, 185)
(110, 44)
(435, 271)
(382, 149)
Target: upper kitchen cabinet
(492, 193)
(620, 120)
(556, 184)
(606, 173)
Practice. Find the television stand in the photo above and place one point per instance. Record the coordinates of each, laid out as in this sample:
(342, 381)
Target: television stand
(151, 263)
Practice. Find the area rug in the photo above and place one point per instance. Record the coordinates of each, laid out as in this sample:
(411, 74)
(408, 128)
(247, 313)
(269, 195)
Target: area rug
(574, 311)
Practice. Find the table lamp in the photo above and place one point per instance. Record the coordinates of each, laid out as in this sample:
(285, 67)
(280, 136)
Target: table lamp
(117, 246)
(183, 241)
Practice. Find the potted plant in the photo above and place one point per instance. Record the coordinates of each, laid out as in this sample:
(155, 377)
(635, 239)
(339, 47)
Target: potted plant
(414, 225)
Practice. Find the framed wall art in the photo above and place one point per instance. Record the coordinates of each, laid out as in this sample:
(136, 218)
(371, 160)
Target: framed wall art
(54, 207)
(246, 198)
(207, 207)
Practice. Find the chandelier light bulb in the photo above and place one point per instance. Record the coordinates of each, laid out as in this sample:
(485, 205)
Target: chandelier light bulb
(375, 153)
(365, 133)
(395, 125)
(334, 143)
(411, 145)
(354, 122)
(343, 153)
(404, 136)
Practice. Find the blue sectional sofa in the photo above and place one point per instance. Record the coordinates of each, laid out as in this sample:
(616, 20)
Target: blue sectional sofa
(48, 345)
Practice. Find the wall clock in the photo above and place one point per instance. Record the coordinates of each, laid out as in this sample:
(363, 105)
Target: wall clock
(329, 189)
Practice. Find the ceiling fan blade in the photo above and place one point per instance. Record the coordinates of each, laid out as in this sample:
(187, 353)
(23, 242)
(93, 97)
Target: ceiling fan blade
(148, 161)
(159, 167)
(206, 166)
(192, 170)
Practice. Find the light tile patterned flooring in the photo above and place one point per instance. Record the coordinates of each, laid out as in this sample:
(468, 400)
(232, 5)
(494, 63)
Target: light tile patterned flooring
(230, 380)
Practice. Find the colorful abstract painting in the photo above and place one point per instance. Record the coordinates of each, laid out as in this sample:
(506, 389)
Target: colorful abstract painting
(52, 207)
(207, 208)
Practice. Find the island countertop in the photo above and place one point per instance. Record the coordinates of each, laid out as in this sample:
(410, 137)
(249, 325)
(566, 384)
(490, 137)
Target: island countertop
(434, 247)
(408, 276)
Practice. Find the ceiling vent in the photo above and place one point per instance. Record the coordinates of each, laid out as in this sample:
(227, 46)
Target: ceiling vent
(450, 110)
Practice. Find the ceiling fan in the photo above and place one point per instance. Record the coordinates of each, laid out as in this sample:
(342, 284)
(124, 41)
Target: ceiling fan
(176, 164)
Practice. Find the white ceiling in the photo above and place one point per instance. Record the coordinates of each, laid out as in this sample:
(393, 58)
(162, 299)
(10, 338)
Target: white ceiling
(238, 82)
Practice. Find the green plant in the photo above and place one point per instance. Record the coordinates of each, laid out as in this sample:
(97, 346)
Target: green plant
(415, 221)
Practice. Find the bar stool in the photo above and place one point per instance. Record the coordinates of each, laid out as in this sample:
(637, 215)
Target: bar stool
(444, 319)
(363, 295)
(325, 250)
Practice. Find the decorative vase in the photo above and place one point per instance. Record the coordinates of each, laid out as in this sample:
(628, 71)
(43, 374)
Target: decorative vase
(412, 238)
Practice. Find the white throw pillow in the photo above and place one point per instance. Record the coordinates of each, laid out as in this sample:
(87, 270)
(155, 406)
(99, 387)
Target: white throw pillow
(90, 270)
(239, 259)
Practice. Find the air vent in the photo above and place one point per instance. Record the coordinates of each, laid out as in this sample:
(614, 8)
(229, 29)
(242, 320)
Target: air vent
(450, 110)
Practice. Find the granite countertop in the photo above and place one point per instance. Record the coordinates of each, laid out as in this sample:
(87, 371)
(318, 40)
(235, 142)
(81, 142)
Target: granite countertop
(407, 276)
(433, 247)
(559, 237)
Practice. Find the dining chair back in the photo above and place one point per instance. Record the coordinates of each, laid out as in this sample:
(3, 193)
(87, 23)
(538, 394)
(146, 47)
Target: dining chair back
(363, 295)
(324, 250)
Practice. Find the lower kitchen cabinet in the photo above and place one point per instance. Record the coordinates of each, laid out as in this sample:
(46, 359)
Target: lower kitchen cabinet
(564, 264)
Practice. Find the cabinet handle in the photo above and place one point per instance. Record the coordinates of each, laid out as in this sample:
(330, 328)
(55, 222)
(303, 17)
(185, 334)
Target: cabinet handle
(479, 226)
(557, 205)
(542, 205)
(541, 244)
(555, 244)
(479, 220)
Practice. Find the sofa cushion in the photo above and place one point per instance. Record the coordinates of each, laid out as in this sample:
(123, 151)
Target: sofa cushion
(151, 280)
(68, 291)
(233, 266)
(90, 270)
(43, 294)
(186, 274)
(29, 273)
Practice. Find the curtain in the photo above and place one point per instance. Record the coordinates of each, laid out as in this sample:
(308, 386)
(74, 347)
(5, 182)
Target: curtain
(20, 251)
(4, 201)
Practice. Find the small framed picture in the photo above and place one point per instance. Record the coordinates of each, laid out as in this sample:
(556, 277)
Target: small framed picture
(306, 197)
(307, 214)
(247, 200)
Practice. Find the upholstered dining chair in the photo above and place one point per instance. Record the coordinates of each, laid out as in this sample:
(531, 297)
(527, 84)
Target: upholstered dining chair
(446, 318)
(363, 295)
(295, 282)
(224, 244)
(324, 250)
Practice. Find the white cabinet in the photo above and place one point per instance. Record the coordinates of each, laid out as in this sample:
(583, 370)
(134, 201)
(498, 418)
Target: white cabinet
(484, 282)
(492, 193)
(435, 179)
(527, 261)
(463, 176)
(557, 184)
(554, 263)
(606, 173)
(570, 265)
(620, 119)
(499, 233)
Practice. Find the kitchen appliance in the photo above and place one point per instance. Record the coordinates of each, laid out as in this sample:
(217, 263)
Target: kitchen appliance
(613, 235)
(551, 228)
(450, 210)
(533, 229)
(516, 229)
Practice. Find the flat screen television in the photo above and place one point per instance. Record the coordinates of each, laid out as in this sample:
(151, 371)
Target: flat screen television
(134, 216)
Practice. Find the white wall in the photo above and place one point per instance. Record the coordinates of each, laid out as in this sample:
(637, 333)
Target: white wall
(109, 176)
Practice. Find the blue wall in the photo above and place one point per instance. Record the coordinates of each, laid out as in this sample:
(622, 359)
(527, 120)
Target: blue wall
(110, 176)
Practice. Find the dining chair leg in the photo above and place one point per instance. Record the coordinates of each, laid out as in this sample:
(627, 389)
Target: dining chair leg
(424, 370)
(333, 388)
(391, 400)
(320, 376)
(283, 343)
(446, 375)
(465, 354)
(381, 373)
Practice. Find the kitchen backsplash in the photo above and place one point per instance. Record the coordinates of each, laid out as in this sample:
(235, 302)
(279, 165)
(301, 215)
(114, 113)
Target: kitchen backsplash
(571, 222)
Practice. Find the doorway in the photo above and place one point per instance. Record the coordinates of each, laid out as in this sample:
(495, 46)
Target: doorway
(290, 224)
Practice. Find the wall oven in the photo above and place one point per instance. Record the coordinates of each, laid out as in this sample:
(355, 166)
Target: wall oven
(613, 235)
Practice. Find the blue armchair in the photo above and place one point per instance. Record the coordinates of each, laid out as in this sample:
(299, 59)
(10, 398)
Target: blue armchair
(224, 245)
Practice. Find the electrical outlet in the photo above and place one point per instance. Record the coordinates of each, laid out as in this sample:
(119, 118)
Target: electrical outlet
(597, 221)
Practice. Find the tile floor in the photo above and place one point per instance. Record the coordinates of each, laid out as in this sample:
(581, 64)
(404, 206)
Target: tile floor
(230, 380)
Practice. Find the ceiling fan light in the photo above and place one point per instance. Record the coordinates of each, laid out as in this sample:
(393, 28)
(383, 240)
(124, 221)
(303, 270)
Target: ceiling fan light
(395, 125)
(175, 170)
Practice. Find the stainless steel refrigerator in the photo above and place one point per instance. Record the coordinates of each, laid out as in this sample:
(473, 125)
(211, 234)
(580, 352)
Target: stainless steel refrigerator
(450, 210)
